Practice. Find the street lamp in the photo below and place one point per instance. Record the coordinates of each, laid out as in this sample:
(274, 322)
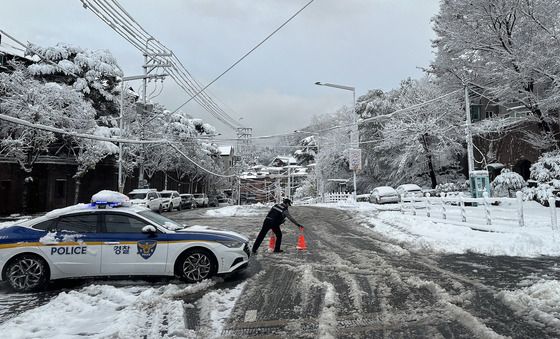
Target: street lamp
(354, 136)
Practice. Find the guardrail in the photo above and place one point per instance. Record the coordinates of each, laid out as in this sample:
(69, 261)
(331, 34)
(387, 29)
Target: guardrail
(496, 210)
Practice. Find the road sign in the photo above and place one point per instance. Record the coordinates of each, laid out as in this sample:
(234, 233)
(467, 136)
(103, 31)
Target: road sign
(355, 159)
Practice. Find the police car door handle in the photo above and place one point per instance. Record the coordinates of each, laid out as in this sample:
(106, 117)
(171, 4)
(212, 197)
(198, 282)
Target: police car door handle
(111, 243)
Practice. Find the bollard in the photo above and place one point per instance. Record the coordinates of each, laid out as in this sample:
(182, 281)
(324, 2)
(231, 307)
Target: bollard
(443, 212)
(487, 209)
(552, 204)
(520, 216)
(428, 205)
(463, 211)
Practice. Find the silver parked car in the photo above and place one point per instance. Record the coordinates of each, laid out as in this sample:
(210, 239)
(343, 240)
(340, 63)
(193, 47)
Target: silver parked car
(410, 190)
(383, 194)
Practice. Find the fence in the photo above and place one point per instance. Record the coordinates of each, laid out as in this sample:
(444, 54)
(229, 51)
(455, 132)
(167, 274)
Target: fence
(494, 210)
(336, 197)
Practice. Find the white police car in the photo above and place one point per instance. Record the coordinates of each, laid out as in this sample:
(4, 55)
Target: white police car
(110, 237)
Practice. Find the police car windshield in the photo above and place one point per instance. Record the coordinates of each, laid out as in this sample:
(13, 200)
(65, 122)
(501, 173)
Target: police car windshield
(137, 196)
(165, 195)
(161, 220)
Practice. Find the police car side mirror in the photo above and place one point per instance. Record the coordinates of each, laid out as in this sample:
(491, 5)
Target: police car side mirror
(151, 198)
(148, 229)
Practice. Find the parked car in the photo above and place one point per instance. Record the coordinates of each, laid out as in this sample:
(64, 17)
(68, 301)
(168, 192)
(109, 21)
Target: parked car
(362, 197)
(383, 194)
(187, 201)
(146, 197)
(213, 201)
(409, 190)
(223, 201)
(171, 200)
(201, 199)
(114, 238)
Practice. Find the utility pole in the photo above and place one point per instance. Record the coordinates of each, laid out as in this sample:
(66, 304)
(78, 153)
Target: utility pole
(152, 61)
(470, 156)
(121, 120)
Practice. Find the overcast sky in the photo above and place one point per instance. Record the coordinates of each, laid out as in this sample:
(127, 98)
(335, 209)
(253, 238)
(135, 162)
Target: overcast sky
(362, 43)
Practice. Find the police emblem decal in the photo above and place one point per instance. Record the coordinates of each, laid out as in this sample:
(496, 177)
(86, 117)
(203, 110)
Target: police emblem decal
(146, 248)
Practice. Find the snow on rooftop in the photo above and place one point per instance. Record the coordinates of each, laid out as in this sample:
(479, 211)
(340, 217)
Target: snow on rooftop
(225, 150)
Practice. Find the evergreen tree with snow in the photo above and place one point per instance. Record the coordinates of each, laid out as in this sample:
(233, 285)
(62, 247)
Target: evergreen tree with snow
(507, 183)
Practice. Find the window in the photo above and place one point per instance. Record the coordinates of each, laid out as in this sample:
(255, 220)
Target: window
(47, 225)
(475, 113)
(60, 189)
(489, 114)
(121, 223)
(152, 196)
(81, 223)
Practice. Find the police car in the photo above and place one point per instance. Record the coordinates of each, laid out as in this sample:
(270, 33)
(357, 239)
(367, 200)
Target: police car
(111, 237)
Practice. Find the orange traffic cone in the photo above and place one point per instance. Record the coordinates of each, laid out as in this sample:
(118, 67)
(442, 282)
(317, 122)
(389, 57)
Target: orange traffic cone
(271, 243)
(301, 244)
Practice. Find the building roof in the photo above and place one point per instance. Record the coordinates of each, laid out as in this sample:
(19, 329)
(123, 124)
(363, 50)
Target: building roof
(8, 49)
(225, 150)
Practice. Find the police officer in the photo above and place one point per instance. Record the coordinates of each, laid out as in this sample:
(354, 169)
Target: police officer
(275, 217)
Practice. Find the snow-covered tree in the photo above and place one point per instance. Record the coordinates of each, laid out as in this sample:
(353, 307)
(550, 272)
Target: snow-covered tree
(49, 104)
(507, 183)
(94, 73)
(413, 142)
(506, 49)
(547, 167)
(308, 150)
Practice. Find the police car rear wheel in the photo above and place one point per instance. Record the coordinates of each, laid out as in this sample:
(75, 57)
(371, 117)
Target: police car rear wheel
(27, 273)
(197, 266)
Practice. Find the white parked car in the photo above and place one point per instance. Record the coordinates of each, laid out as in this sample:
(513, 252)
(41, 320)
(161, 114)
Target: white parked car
(171, 200)
(410, 190)
(201, 199)
(383, 194)
(114, 238)
(146, 197)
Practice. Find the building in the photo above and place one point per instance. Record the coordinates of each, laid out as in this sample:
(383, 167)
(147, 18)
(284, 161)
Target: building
(509, 149)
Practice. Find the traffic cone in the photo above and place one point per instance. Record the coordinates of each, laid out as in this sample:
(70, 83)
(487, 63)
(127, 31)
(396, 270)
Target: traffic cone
(301, 244)
(271, 243)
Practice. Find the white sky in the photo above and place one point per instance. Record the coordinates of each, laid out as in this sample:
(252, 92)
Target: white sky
(362, 43)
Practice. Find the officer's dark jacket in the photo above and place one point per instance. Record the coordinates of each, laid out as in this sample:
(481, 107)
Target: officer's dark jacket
(278, 214)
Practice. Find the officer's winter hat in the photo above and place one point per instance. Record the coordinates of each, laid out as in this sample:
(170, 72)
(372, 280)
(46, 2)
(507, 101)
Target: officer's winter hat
(287, 202)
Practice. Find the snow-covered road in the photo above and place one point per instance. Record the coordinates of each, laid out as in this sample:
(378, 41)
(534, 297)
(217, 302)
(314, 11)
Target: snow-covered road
(352, 282)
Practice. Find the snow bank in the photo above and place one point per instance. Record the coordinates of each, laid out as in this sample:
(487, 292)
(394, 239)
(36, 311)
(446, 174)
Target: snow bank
(101, 311)
(215, 308)
(539, 302)
(453, 236)
(237, 211)
(117, 311)
(422, 233)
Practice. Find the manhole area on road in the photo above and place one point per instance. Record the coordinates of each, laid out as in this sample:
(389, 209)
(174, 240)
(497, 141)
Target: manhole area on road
(367, 322)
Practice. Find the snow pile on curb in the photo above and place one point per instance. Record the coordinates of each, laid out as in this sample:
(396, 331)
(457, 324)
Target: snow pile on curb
(539, 302)
(236, 211)
(101, 311)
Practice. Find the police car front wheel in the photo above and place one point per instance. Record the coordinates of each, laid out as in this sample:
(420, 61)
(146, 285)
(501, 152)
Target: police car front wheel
(27, 273)
(196, 265)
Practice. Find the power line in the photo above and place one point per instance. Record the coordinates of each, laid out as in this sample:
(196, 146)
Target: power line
(118, 19)
(246, 54)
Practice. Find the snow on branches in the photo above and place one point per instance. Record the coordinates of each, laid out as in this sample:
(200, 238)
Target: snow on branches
(507, 183)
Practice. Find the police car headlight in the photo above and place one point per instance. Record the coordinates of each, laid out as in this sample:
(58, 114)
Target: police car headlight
(231, 243)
